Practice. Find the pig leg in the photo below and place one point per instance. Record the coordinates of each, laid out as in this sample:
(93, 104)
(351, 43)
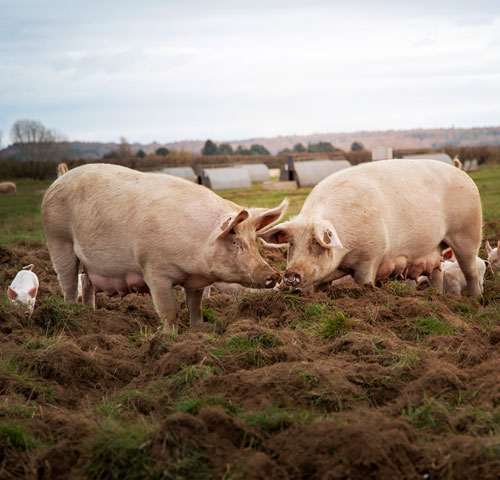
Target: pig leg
(436, 280)
(193, 301)
(466, 257)
(162, 294)
(365, 273)
(88, 292)
(66, 266)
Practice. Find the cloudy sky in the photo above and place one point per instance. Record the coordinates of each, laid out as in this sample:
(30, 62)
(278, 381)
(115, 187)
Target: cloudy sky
(175, 70)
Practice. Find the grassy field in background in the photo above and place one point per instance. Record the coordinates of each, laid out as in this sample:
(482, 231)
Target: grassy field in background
(21, 219)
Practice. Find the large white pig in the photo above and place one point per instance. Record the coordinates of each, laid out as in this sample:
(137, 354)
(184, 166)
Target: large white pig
(23, 289)
(393, 216)
(145, 232)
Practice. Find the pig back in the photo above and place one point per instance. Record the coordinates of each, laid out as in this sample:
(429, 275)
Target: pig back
(399, 207)
(117, 215)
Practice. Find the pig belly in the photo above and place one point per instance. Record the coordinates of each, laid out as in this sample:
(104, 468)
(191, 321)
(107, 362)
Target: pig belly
(394, 267)
(132, 283)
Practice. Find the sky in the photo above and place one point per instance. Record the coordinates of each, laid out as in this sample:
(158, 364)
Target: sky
(175, 70)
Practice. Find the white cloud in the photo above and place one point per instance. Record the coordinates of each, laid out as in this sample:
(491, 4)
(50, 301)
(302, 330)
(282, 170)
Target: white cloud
(174, 70)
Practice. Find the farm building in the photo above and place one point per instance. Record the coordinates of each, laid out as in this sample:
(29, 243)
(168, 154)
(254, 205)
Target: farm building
(381, 153)
(311, 172)
(225, 178)
(183, 172)
(440, 157)
(259, 172)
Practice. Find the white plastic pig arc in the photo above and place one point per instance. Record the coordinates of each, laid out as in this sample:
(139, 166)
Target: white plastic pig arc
(23, 289)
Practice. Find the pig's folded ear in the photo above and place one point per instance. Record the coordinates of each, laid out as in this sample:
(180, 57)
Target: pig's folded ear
(277, 235)
(326, 234)
(227, 223)
(263, 218)
(488, 247)
(32, 292)
(12, 293)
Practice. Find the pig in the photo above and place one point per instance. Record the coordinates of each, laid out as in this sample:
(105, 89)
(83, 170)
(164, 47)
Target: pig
(62, 168)
(146, 232)
(383, 216)
(493, 256)
(23, 289)
(454, 280)
(8, 187)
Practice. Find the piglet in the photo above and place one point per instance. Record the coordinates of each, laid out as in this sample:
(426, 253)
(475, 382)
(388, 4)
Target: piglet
(23, 289)
(493, 256)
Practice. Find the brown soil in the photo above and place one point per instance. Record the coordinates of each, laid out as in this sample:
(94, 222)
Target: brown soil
(352, 382)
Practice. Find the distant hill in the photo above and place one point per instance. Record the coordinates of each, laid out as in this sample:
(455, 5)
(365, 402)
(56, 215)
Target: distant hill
(399, 139)
(415, 138)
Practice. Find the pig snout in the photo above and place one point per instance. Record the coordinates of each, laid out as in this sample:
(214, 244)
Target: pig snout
(292, 278)
(272, 280)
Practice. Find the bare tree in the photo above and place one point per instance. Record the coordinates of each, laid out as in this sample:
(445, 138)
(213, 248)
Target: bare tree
(38, 143)
(124, 149)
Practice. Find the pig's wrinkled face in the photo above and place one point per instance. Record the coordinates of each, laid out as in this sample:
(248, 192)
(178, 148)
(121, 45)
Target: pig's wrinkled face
(237, 258)
(312, 246)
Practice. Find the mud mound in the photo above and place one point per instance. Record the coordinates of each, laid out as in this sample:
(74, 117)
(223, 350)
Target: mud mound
(351, 382)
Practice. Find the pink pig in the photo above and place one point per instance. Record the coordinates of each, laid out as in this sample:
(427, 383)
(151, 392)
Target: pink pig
(23, 289)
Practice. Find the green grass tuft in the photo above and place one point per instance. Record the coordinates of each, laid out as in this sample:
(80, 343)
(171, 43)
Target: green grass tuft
(13, 434)
(118, 451)
(427, 325)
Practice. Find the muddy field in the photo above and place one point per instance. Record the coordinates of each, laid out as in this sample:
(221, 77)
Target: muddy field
(351, 383)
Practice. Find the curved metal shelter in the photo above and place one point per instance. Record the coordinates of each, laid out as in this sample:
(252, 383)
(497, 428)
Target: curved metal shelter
(310, 173)
(440, 157)
(259, 172)
(183, 172)
(226, 178)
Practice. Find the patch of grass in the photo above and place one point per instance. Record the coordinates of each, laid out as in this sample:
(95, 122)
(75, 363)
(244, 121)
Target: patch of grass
(334, 325)
(251, 346)
(186, 377)
(427, 325)
(118, 451)
(308, 378)
(489, 317)
(14, 435)
(274, 418)
(40, 343)
(144, 333)
(398, 288)
(464, 308)
(430, 415)
(194, 404)
(23, 383)
(209, 315)
(318, 318)
(57, 316)
(403, 362)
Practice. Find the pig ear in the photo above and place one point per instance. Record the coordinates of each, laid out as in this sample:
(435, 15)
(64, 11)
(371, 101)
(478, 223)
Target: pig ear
(277, 235)
(32, 292)
(488, 247)
(263, 218)
(229, 222)
(12, 293)
(326, 234)
(448, 253)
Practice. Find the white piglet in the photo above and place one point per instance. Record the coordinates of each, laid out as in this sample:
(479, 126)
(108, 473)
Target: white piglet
(23, 289)
(454, 280)
(493, 256)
